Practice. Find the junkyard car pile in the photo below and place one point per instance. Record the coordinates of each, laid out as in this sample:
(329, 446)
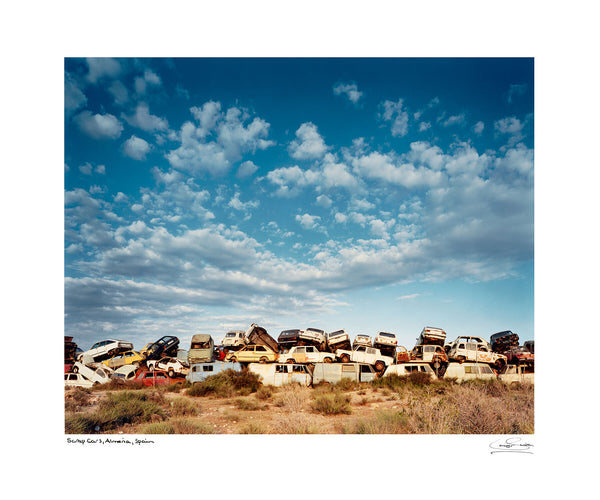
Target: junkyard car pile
(308, 357)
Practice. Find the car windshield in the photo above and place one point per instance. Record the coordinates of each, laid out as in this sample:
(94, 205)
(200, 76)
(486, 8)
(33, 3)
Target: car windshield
(385, 334)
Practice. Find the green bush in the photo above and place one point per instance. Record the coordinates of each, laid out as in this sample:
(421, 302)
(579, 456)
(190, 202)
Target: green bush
(226, 384)
(121, 408)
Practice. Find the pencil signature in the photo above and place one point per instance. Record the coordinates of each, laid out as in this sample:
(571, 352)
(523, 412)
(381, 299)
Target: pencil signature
(510, 445)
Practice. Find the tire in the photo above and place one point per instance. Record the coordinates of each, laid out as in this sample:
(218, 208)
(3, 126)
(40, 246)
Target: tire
(379, 366)
(291, 360)
(262, 360)
(461, 359)
(345, 358)
(75, 369)
(233, 359)
(171, 373)
(328, 360)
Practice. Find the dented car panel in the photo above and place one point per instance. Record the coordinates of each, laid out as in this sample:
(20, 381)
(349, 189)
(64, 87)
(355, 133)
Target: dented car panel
(306, 354)
(522, 374)
(259, 336)
(468, 371)
(402, 354)
(338, 339)
(406, 369)
(431, 335)
(475, 349)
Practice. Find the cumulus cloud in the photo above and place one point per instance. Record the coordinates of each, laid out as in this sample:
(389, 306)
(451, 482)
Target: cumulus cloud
(478, 127)
(309, 144)
(149, 79)
(144, 120)
(218, 140)
(246, 169)
(102, 67)
(350, 90)
(136, 148)
(308, 221)
(393, 112)
(74, 96)
(99, 126)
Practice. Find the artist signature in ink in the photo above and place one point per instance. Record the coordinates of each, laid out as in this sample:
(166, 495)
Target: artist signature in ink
(510, 445)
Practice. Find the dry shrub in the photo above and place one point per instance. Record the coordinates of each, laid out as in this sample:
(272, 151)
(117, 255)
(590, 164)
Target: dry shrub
(264, 392)
(293, 397)
(77, 398)
(253, 428)
(298, 423)
(382, 422)
(177, 426)
(248, 404)
(332, 404)
(226, 384)
(182, 406)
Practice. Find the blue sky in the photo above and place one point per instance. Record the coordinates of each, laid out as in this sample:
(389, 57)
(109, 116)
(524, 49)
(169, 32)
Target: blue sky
(202, 195)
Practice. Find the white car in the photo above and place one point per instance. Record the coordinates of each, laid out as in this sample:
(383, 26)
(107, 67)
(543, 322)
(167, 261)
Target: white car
(362, 340)
(306, 354)
(169, 365)
(338, 340)
(234, 338)
(368, 355)
(314, 335)
(96, 374)
(475, 349)
(386, 339)
(104, 350)
(125, 372)
(77, 380)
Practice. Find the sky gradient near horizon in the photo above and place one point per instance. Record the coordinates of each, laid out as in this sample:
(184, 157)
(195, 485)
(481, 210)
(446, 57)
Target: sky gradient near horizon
(203, 195)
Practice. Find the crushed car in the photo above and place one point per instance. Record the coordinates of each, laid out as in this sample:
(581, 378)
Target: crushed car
(103, 350)
(313, 336)
(364, 340)
(306, 354)
(172, 366)
(252, 353)
(154, 378)
(259, 336)
(432, 336)
(503, 341)
(435, 355)
(124, 358)
(233, 340)
(405, 369)
(362, 354)
(468, 371)
(338, 339)
(77, 380)
(288, 339)
(469, 348)
(512, 374)
(96, 374)
(165, 346)
(201, 349)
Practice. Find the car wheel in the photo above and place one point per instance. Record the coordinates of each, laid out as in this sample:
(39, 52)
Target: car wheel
(379, 366)
(233, 359)
(290, 361)
(171, 373)
(328, 360)
(262, 360)
(75, 369)
(345, 358)
(151, 367)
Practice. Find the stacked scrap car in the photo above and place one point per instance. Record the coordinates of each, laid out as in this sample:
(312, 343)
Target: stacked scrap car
(469, 348)
(386, 342)
(172, 366)
(306, 354)
(332, 373)
(368, 355)
(252, 353)
(338, 339)
(233, 341)
(405, 369)
(103, 350)
(165, 346)
(200, 371)
(201, 349)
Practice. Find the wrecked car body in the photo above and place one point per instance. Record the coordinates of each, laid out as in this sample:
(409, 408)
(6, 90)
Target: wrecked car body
(306, 354)
(469, 348)
(468, 371)
(369, 355)
(364, 340)
(338, 339)
(332, 373)
(503, 341)
(252, 353)
(259, 336)
(432, 336)
(279, 374)
(405, 369)
(200, 371)
(517, 374)
(201, 349)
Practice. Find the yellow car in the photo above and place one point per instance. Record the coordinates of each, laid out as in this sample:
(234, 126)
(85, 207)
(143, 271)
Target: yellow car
(124, 358)
(252, 354)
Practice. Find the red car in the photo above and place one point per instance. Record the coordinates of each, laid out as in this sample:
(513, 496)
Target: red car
(519, 355)
(154, 378)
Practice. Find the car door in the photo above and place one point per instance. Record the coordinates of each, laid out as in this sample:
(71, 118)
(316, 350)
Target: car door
(300, 375)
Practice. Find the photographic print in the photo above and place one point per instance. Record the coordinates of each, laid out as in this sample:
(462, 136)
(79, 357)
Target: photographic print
(299, 245)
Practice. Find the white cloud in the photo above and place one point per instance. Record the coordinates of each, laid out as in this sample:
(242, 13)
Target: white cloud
(136, 148)
(231, 138)
(324, 201)
(453, 120)
(102, 67)
(99, 126)
(119, 92)
(246, 169)
(516, 89)
(308, 221)
(145, 121)
(74, 96)
(142, 83)
(393, 112)
(478, 127)
(309, 145)
(349, 89)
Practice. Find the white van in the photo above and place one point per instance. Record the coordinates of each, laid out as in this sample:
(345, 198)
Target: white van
(404, 369)
(332, 373)
(516, 373)
(279, 374)
(468, 371)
